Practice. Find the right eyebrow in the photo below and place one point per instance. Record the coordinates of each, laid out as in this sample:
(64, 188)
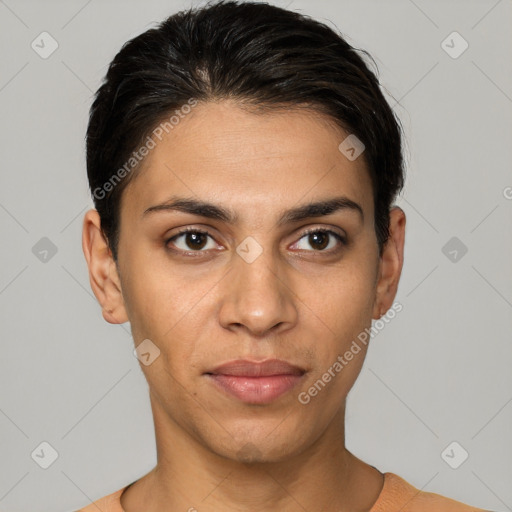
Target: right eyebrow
(194, 207)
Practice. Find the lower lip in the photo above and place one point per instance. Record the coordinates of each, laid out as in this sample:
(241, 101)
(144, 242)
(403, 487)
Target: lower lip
(256, 390)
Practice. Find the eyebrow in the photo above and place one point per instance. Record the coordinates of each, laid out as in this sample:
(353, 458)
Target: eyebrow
(211, 211)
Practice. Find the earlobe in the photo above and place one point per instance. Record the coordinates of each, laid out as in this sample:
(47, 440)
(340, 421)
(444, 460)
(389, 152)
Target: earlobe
(103, 275)
(391, 263)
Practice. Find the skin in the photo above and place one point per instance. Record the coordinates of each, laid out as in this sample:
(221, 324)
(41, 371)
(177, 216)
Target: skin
(303, 300)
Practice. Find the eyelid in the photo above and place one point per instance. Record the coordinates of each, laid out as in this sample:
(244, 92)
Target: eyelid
(341, 234)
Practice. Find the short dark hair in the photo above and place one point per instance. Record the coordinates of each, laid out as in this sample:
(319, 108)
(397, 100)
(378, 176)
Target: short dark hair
(262, 56)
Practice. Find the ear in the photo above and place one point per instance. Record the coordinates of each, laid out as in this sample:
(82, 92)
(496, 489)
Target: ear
(390, 263)
(103, 274)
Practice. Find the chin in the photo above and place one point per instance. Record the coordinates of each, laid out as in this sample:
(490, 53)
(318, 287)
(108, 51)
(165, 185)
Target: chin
(265, 450)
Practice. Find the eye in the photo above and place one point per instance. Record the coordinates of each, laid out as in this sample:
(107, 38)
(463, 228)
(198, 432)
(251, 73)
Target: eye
(321, 240)
(192, 240)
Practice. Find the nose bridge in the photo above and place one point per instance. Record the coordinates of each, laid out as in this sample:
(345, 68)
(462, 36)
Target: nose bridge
(257, 295)
(258, 274)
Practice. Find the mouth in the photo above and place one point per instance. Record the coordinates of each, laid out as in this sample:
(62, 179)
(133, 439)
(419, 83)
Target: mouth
(256, 382)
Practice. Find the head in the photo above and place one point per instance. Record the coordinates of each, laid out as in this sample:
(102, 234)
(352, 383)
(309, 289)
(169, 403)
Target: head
(265, 135)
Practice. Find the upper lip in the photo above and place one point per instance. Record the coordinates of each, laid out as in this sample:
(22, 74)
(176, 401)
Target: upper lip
(245, 368)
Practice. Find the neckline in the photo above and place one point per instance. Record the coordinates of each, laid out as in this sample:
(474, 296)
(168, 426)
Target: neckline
(388, 477)
(383, 491)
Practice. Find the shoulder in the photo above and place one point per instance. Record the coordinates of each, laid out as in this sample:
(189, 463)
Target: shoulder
(399, 495)
(110, 503)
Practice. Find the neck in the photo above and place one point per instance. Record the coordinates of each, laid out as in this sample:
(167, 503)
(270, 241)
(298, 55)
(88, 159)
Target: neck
(191, 477)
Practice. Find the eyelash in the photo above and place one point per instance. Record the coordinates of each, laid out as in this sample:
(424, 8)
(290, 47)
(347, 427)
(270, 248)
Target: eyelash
(341, 239)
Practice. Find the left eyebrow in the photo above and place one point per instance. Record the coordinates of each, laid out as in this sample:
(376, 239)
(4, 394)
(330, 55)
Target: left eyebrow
(320, 209)
(212, 211)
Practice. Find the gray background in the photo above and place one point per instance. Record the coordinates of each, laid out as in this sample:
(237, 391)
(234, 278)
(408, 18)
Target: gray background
(438, 373)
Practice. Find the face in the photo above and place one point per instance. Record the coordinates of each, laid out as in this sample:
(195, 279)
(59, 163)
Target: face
(257, 276)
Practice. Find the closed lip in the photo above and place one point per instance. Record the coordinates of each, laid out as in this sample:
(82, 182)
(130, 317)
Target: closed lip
(246, 368)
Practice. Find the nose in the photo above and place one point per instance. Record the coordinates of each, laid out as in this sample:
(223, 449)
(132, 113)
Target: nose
(257, 296)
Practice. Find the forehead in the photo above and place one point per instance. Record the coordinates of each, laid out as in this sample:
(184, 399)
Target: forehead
(246, 160)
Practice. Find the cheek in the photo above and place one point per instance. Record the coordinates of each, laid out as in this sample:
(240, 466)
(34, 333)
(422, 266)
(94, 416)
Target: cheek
(344, 302)
(167, 306)
(147, 292)
(339, 313)
(338, 349)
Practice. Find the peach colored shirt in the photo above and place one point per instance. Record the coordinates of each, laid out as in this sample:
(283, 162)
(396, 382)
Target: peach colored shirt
(396, 496)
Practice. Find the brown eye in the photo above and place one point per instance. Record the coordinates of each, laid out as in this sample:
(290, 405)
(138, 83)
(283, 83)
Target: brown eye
(321, 239)
(191, 240)
(318, 240)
